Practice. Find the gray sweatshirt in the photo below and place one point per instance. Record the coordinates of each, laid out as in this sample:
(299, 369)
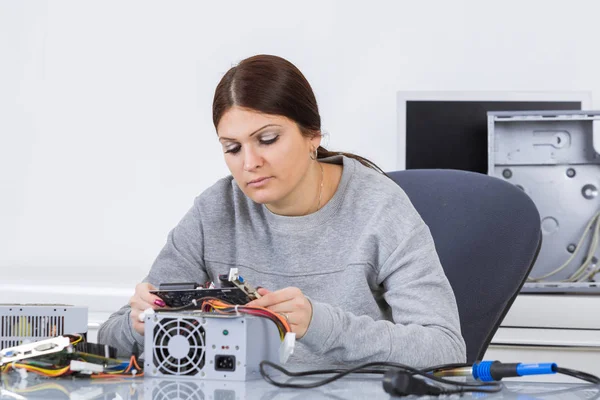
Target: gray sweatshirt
(366, 260)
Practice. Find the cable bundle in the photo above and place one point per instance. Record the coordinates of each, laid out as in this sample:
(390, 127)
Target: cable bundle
(74, 361)
(222, 307)
(132, 369)
(581, 274)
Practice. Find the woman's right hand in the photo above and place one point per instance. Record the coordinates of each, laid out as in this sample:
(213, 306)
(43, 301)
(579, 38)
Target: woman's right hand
(141, 300)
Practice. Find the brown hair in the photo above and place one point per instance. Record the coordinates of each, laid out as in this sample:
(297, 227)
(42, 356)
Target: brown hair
(273, 85)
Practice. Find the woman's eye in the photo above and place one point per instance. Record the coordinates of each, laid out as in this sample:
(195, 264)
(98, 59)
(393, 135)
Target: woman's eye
(232, 150)
(269, 139)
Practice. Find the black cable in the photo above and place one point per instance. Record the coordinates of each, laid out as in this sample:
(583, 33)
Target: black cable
(135, 350)
(338, 375)
(584, 376)
(191, 305)
(402, 380)
(488, 387)
(444, 367)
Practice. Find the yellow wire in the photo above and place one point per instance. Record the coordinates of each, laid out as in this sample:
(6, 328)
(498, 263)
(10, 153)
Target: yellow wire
(78, 340)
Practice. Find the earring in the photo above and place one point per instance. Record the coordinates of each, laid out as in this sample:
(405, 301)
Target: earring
(314, 154)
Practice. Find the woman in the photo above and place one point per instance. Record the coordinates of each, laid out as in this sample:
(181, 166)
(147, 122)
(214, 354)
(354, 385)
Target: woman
(338, 247)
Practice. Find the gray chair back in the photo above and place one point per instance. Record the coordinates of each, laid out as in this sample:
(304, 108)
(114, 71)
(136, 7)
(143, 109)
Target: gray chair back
(487, 233)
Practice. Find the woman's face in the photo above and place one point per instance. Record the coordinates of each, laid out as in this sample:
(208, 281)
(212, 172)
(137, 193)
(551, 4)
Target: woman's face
(266, 154)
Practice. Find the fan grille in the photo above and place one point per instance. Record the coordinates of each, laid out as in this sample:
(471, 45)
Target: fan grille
(179, 346)
(16, 328)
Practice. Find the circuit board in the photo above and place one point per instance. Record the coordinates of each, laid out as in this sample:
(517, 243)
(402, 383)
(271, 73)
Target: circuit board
(185, 297)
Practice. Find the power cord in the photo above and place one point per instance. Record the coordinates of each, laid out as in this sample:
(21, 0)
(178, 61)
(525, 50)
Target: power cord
(399, 379)
(584, 376)
(402, 380)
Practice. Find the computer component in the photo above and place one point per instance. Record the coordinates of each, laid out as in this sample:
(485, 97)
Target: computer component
(22, 323)
(233, 289)
(35, 349)
(208, 345)
(554, 156)
(187, 297)
(448, 129)
(238, 281)
(98, 349)
(67, 355)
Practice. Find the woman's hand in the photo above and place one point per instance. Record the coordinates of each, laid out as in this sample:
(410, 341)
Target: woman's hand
(291, 304)
(141, 300)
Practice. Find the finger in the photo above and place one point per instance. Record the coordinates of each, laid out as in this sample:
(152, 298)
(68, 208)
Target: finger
(145, 286)
(292, 318)
(141, 305)
(262, 291)
(150, 298)
(272, 298)
(287, 307)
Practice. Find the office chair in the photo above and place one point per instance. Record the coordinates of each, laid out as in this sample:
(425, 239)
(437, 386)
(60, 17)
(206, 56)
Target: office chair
(487, 233)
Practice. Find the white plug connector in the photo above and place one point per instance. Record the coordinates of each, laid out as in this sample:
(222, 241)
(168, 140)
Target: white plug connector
(286, 349)
(86, 367)
(143, 314)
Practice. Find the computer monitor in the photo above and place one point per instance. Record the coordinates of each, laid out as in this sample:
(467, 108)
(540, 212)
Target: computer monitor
(448, 130)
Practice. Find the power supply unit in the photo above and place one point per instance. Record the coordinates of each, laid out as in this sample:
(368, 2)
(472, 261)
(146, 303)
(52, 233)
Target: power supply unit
(23, 323)
(208, 345)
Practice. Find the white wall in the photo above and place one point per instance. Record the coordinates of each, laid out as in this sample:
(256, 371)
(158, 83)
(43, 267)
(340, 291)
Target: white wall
(105, 107)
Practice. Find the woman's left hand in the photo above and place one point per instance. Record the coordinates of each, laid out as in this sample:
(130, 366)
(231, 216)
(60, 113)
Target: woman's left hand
(291, 304)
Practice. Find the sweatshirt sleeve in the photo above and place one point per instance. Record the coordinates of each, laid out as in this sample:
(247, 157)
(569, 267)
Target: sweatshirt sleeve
(180, 260)
(425, 330)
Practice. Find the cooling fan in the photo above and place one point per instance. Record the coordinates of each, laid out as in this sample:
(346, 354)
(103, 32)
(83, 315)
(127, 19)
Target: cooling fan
(179, 346)
(208, 345)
